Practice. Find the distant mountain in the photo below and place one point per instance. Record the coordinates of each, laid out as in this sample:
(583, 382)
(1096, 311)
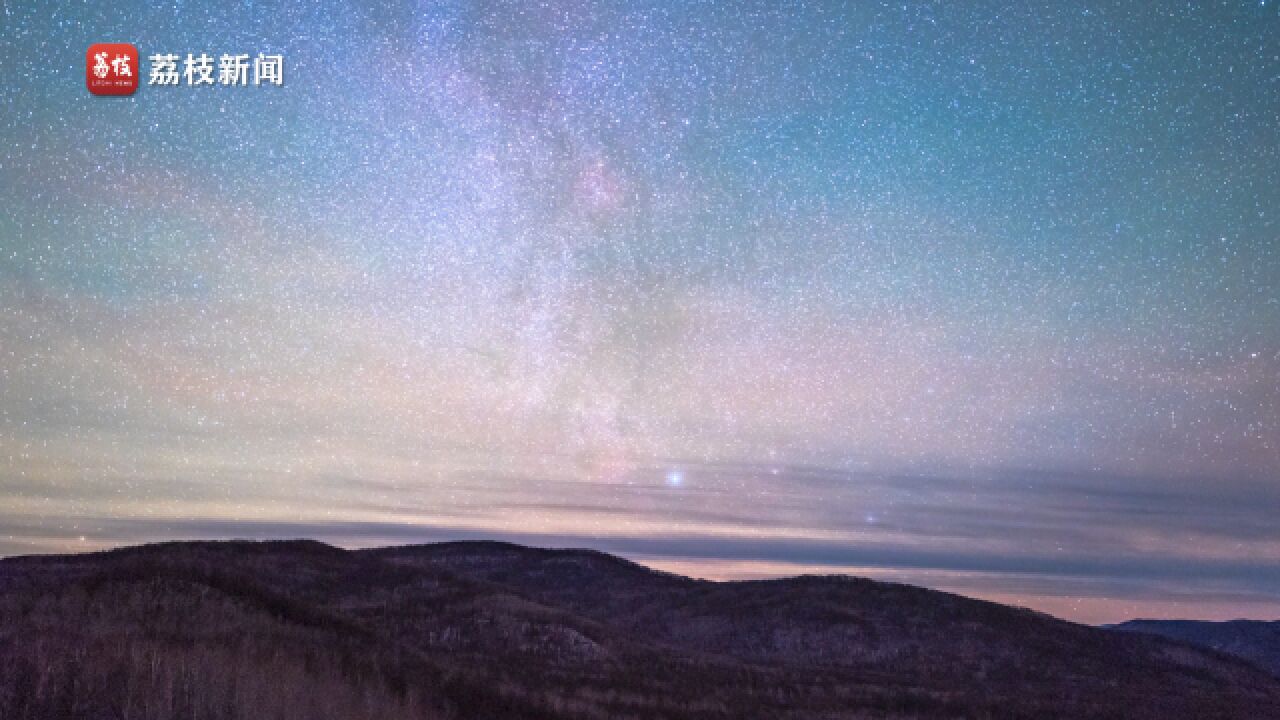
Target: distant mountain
(1254, 640)
(489, 631)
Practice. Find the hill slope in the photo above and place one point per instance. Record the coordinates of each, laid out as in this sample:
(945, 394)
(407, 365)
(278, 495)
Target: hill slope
(1255, 640)
(490, 630)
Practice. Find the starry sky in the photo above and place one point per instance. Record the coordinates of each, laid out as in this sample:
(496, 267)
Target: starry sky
(979, 296)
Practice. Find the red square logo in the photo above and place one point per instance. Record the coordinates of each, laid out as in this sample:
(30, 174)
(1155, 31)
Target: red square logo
(111, 69)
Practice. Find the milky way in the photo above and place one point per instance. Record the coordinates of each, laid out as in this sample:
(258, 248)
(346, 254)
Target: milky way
(983, 299)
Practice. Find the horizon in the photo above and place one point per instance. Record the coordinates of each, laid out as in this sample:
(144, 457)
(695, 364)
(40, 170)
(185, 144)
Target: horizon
(985, 300)
(683, 567)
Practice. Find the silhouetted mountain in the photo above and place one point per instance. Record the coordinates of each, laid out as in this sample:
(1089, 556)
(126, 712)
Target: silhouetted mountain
(1254, 640)
(490, 630)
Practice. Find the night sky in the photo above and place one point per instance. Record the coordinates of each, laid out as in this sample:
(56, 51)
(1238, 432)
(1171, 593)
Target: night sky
(979, 297)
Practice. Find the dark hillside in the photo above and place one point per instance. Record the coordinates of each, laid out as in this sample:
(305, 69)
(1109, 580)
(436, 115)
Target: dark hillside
(1254, 640)
(489, 630)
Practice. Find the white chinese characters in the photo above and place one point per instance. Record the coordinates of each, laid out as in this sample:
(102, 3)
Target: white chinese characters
(164, 70)
(198, 70)
(268, 69)
(231, 70)
(119, 65)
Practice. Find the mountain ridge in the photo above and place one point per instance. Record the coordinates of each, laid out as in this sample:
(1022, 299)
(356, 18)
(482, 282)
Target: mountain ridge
(1255, 640)
(482, 629)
